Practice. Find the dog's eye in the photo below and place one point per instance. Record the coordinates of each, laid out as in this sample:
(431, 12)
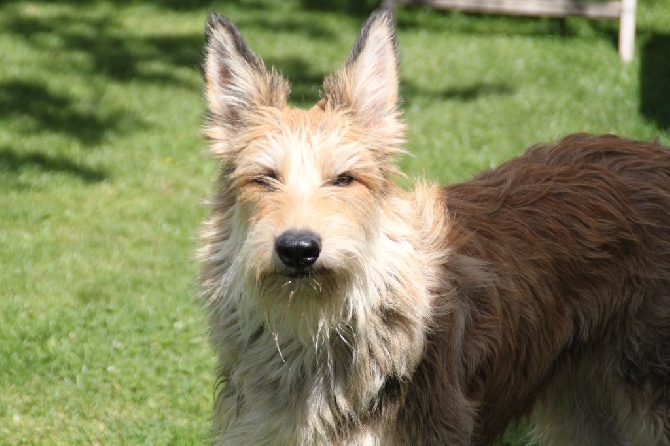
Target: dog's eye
(266, 179)
(342, 180)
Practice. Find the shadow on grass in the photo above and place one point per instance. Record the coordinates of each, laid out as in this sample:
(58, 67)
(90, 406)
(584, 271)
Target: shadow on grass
(467, 93)
(111, 50)
(13, 163)
(354, 7)
(655, 80)
(111, 53)
(176, 5)
(34, 108)
(94, 51)
(410, 18)
(306, 85)
(305, 82)
(305, 26)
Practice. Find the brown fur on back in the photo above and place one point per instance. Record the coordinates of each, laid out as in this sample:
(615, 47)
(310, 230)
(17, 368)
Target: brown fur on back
(574, 240)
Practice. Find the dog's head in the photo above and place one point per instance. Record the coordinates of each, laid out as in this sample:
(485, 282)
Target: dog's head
(305, 192)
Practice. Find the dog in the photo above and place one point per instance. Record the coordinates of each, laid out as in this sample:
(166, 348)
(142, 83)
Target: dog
(346, 310)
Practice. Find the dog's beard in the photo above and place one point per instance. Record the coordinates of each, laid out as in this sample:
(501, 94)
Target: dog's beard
(312, 306)
(308, 307)
(285, 285)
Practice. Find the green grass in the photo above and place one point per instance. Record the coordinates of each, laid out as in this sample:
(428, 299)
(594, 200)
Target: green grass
(103, 169)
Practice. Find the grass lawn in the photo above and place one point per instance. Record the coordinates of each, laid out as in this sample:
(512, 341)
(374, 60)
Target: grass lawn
(103, 169)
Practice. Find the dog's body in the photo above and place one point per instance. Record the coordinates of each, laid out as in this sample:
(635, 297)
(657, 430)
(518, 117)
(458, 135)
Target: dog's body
(347, 311)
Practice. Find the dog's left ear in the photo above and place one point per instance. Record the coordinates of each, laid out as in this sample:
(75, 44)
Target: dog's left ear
(367, 84)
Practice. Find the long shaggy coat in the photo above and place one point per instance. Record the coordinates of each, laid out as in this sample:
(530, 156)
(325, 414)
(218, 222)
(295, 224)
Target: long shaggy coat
(345, 310)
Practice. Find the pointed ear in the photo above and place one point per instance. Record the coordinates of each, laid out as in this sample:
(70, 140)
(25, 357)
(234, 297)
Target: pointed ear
(236, 79)
(368, 82)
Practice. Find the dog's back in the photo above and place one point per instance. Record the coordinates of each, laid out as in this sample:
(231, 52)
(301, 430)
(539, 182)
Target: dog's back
(574, 314)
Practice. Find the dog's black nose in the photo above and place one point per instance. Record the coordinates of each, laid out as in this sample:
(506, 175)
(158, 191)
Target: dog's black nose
(298, 249)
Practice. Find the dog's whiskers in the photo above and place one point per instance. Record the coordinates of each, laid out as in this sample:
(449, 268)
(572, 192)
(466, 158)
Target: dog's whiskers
(288, 304)
(275, 336)
(275, 333)
(339, 333)
(288, 282)
(316, 285)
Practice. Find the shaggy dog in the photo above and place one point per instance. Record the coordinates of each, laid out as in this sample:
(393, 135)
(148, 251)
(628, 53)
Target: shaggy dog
(345, 310)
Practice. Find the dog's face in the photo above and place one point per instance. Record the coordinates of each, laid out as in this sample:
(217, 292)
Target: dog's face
(306, 188)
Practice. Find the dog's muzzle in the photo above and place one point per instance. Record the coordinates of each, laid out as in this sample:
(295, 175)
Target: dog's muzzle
(298, 250)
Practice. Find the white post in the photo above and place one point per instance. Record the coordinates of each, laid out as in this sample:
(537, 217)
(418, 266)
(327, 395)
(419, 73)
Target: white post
(627, 30)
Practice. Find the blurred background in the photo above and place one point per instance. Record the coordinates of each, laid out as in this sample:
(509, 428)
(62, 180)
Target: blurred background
(103, 171)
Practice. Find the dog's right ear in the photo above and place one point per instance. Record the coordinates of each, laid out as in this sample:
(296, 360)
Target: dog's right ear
(367, 84)
(236, 80)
